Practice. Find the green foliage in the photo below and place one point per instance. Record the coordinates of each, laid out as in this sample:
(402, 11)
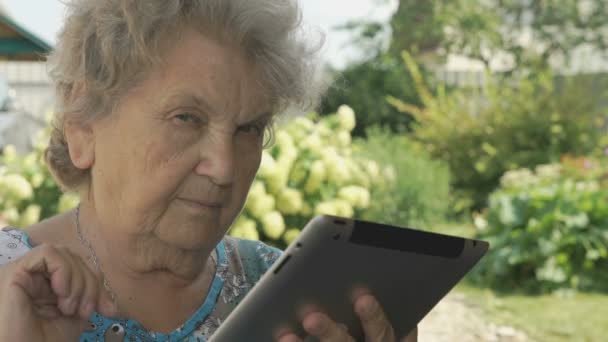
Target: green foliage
(364, 86)
(548, 231)
(28, 192)
(485, 29)
(310, 170)
(420, 193)
(510, 123)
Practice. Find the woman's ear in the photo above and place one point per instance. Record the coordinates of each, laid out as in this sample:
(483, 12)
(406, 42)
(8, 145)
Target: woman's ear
(81, 144)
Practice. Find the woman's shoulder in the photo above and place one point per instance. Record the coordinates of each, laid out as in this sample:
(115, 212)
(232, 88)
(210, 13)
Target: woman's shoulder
(14, 243)
(255, 257)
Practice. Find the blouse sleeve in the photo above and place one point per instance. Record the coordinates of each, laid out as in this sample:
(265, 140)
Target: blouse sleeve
(14, 243)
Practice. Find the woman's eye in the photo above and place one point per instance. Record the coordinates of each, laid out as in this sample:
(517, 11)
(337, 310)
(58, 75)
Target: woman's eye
(188, 118)
(257, 129)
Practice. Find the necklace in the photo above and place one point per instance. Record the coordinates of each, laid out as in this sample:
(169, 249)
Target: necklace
(93, 257)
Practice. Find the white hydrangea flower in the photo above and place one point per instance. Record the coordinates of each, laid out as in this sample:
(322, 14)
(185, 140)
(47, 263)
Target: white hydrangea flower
(299, 128)
(283, 139)
(346, 118)
(479, 221)
(9, 153)
(30, 215)
(250, 232)
(260, 206)
(11, 216)
(245, 229)
(337, 171)
(343, 208)
(66, 202)
(324, 131)
(306, 210)
(519, 178)
(326, 208)
(273, 225)
(267, 165)
(343, 138)
(257, 188)
(37, 180)
(290, 235)
(18, 186)
(316, 177)
(312, 185)
(289, 201)
(29, 161)
(549, 171)
(356, 196)
(287, 157)
(312, 142)
(318, 170)
(278, 179)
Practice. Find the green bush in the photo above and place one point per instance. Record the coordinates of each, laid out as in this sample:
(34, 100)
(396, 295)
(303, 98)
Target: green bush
(548, 231)
(511, 123)
(310, 170)
(364, 86)
(28, 192)
(420, 193)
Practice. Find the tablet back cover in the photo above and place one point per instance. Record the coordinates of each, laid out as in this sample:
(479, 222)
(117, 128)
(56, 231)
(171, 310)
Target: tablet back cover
(335, 259)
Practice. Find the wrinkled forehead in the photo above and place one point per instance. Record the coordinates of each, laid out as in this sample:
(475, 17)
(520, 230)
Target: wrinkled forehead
(210, 74)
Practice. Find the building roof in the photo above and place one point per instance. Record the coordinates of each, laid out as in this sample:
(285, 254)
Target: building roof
(17, 43)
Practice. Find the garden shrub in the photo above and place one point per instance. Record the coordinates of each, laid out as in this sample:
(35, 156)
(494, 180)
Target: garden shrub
(420, 193)
(310, 170)
(548, 229)
(510, 123)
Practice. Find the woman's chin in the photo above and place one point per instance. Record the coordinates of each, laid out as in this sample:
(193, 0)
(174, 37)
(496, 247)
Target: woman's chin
(191, 236)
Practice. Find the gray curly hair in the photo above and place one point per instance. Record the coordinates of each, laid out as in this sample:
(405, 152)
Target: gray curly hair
(106, 48)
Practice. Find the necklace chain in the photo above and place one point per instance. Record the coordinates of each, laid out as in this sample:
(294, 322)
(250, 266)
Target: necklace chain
(93, 257)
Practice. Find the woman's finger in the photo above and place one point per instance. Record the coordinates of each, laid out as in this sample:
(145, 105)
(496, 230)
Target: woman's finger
(45, 259)
(90, 295)
(376, 326)
(48, 311)
(321, 326)
(69, 305)
(290, 338)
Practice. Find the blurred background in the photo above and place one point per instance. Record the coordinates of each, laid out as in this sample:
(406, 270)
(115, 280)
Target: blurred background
(478, 118)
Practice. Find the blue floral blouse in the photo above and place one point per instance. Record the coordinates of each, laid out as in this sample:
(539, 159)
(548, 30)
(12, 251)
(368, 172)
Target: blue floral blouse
(241, 263)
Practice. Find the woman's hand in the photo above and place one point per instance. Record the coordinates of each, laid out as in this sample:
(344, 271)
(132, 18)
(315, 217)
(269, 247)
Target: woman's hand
(47, 295)
(376, 326)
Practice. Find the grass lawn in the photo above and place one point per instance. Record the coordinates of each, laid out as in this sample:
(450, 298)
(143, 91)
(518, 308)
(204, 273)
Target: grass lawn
(577, 317)
(574, 317)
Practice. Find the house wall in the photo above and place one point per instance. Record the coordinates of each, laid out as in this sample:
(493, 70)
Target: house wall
(31, 85)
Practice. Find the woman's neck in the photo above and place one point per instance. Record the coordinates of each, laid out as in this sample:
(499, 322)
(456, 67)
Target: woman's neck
(154, 284)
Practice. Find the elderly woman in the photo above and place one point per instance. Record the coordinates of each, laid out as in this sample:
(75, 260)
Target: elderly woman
(163, 109)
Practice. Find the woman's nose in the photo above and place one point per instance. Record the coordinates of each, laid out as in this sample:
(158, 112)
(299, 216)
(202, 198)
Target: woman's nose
(217, 160)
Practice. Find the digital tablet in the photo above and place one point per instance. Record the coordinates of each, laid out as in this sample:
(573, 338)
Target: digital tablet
(334, 260)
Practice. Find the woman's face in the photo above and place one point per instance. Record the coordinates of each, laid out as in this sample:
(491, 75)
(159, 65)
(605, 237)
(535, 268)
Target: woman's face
(173, 164)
